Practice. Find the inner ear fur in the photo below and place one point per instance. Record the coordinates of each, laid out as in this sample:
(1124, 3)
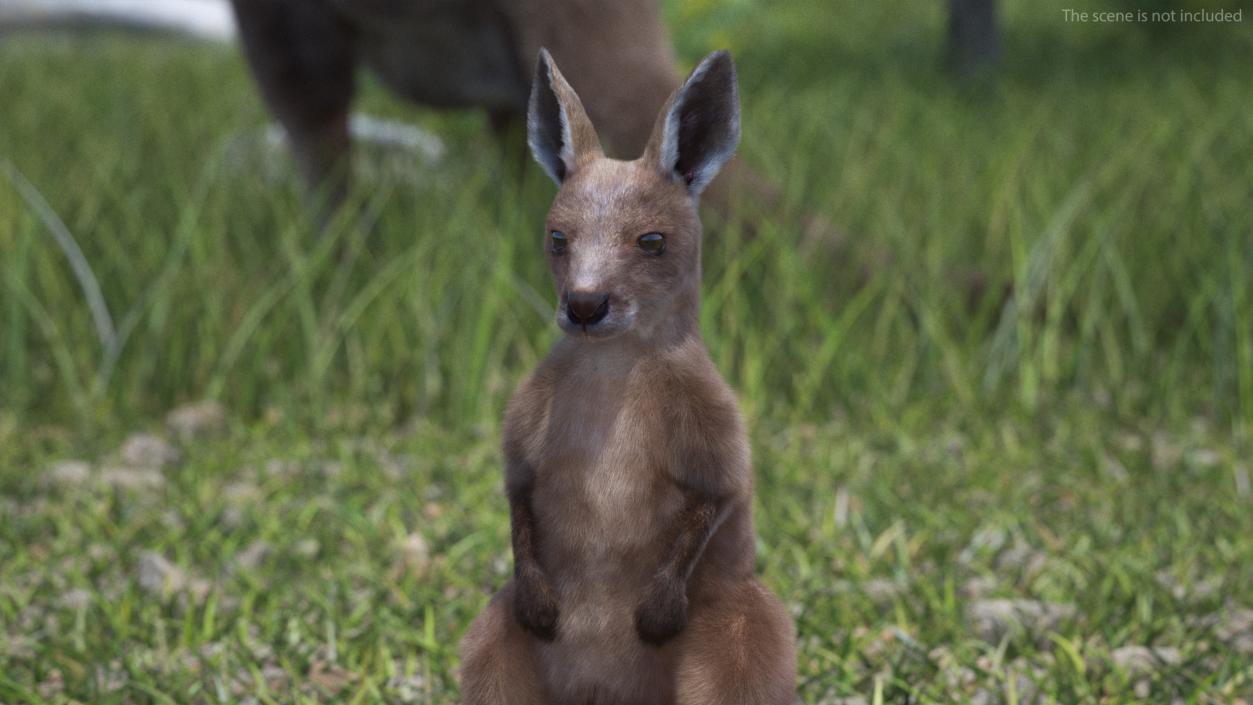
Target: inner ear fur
(559, 133)
(699, 128)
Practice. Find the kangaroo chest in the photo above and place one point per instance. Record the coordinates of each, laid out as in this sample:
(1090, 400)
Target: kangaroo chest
(602, 492)
(603, 500)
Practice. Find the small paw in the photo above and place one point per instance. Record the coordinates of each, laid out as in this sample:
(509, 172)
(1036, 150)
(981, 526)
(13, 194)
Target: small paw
(663, 614)
(535, 607)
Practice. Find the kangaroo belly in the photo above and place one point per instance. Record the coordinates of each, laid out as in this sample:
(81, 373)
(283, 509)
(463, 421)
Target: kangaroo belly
(597, 656)
(601, 532)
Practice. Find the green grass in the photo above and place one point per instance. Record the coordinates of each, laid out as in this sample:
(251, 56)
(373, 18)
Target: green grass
(881, 535)
(1082, 441)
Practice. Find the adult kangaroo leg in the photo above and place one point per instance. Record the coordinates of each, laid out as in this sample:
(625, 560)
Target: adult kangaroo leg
(498, 663)
(303, 59)
(738, 649)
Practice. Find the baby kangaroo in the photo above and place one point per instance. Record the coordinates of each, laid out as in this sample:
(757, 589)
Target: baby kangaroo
(626, 460)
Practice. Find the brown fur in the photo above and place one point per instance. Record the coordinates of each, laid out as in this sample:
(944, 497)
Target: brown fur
(468, 53)
(628, 472)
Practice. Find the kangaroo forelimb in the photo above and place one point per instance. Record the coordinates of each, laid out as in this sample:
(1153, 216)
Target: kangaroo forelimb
(663, 612)
(535, 602)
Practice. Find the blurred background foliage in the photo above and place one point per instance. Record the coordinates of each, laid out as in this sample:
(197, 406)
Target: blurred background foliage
(1078, 221)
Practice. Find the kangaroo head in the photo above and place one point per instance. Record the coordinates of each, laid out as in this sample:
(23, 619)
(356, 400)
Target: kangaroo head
(623, 238)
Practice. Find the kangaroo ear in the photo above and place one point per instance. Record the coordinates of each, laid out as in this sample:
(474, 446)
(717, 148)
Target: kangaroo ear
(700, 127)
(557, 128)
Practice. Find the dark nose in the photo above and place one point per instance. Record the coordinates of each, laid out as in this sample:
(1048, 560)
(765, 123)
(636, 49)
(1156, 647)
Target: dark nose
(586, 308)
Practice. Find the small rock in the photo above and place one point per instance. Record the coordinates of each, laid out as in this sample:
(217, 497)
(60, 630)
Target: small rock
(156, 574)
(198, 420)
(18, 646)
(1130, 441)
(880, 648)
(1165, 453)
(994, 619)
(407, 689)
(985, 539)
(10, 507)
(76, 599)
(132, 478)
(233, 517)
(954, 444)
(100, 552)
(308, 548)
(959, 678)
(68, 473)
(1235, 629)
(279, 467)
(1114, 467)
(1021, 557)
(239, 492)
(253, 555)
(1026, 679)
(1141, 660)
(53, 685)
(172, 519)
(978, 587)
(113, 677)
(330, 677)
(159, 576)
(1196, 590)
(415, 554)
(146, 450)
(329, 469)
(276, 679)
(842, 506)
(1204, 457)
(881, 590)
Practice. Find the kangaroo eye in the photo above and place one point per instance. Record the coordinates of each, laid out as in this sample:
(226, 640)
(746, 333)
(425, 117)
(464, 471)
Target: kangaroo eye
(558, 240)
(653, 243)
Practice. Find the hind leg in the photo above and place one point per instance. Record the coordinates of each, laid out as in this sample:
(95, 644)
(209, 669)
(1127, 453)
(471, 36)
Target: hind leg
(302, 56)
(738, 649)
(498, 660)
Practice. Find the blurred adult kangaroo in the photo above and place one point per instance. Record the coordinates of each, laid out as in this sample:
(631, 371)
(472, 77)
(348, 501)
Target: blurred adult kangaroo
(626, 460)
(461, 54)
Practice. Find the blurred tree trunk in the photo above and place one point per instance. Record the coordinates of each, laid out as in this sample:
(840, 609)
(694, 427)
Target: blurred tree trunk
(974, 36)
